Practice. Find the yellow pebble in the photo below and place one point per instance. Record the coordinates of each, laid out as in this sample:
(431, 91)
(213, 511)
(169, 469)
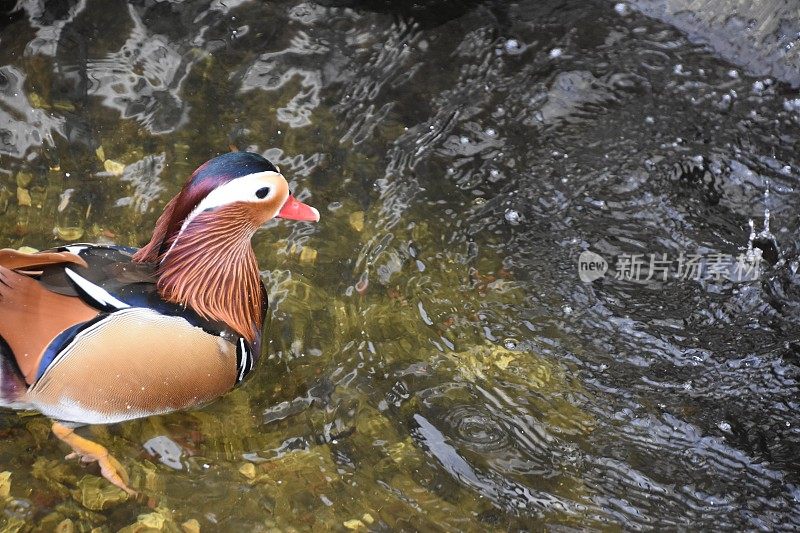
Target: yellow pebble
(152, 520)
(191, 526)
(113, 167)
(308, 255)
(63, 105)
(23, 197)
(366, 517)
(354, 524)
(248, 470)
(5, 484)
(68, 233)
(65, 526)
(24, 179)
(357, 220)
(36, 100)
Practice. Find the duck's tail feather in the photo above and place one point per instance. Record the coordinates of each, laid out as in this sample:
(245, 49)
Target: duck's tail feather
(16, 260)
(12, 384)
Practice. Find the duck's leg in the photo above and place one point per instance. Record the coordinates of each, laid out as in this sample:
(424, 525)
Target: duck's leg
(89, 451)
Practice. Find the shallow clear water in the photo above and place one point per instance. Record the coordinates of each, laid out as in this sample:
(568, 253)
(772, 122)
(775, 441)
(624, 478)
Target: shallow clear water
(435, 361)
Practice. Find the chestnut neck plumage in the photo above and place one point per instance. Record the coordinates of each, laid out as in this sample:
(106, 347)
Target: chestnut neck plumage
(209, 266)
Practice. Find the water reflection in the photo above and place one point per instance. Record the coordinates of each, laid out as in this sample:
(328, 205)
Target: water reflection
(433, 358)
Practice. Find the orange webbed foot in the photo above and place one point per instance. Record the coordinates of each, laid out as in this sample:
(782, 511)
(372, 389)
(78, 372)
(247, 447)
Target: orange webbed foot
(90, 452)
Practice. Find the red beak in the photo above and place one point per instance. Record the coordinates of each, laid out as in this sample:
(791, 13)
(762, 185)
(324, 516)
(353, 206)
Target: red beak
(293, 209)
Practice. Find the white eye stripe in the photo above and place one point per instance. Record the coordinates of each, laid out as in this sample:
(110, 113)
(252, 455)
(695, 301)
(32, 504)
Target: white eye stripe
(241, 189)
(238, 190)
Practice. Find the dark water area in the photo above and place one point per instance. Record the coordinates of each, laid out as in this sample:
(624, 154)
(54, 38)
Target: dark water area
(435, 360)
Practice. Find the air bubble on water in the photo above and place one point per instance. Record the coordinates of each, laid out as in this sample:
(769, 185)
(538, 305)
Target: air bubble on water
(600, 204)
(733, 73)
(649, 120)
(758, 86)
(724, 426)
(494, 173)
(510, 344)
(555, 52)
(621, 9)
(513, 216)
(567, 310)
(514, 47)
(491, 132)
(792, 105)
(464, 140)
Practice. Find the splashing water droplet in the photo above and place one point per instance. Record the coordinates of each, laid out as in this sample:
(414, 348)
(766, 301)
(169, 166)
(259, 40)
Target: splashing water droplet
(513, 47)
(513, 216)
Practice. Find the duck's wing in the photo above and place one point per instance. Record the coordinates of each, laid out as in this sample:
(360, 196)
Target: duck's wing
(109, 267)
(16, 260)
(113, 281)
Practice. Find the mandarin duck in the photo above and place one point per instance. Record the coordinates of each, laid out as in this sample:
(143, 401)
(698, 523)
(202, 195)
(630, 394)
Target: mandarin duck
(96, 334)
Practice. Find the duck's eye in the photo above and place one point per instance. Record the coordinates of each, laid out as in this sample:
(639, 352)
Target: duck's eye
(262, 192)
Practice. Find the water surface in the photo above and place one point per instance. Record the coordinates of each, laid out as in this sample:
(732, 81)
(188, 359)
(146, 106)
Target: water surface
(434, 361)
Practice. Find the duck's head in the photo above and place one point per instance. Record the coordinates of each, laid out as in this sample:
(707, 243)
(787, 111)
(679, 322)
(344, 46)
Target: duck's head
(234, 193)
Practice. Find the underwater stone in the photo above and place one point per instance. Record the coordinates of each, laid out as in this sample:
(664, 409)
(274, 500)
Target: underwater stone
(5, 484)
(23, 197)
(96, 494)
